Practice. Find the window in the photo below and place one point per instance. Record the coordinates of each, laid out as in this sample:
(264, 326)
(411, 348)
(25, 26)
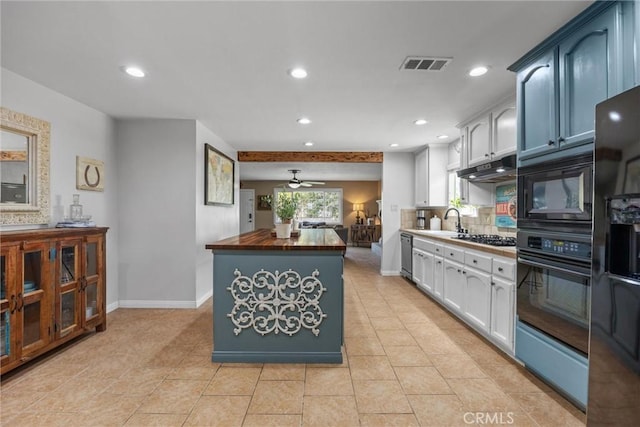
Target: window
(315, 205)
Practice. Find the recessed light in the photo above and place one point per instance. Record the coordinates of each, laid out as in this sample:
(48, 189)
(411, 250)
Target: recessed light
(308, 144)
(478, 71)
(298, 73)
(134, 71)
(500, 170)
(442, 136)
(615, 116)
(420, 122)
(304, 120)
(394, 145)
(472, 176)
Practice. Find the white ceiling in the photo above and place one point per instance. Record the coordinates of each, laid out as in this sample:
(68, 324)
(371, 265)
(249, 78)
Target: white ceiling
(225, 64)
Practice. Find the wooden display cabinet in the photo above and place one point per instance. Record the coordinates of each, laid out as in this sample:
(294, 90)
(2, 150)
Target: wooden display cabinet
(52, 290)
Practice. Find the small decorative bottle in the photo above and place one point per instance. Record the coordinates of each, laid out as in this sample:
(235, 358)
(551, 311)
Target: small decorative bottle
(75, 210)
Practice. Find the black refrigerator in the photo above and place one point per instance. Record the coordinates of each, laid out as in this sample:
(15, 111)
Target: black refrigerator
(614, 345)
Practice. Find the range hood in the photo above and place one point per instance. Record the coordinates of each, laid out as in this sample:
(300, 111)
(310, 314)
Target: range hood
(503, 169)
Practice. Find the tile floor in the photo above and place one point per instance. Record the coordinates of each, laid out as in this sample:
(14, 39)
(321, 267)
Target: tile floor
(407, 363)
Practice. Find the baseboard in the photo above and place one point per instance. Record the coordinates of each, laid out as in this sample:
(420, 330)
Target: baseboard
(204, 298)
(389, 273)
(112, 306)
(156, 304)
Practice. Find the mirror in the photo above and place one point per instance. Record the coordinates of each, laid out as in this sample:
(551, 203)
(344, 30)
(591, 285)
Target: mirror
(24, 169)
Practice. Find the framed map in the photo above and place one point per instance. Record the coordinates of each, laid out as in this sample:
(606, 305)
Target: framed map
(218, 177)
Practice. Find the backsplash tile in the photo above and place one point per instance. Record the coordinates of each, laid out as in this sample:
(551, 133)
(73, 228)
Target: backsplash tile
(484, 223)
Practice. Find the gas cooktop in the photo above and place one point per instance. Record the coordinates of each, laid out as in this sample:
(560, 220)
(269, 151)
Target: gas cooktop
(488, 239)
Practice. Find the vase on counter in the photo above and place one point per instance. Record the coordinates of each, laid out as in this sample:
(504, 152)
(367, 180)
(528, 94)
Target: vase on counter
(283, 230)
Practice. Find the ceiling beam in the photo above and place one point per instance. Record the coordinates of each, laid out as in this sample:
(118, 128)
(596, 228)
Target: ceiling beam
(308, 156)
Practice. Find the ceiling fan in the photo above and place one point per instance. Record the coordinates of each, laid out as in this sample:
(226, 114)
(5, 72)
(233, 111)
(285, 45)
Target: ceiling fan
(295, 182)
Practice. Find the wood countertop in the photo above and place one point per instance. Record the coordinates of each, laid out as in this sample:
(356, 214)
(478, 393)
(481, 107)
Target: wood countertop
(315, 239)
(505, 251)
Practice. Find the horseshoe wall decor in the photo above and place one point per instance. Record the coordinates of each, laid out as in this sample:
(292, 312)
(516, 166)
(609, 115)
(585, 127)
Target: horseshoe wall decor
(89, 174)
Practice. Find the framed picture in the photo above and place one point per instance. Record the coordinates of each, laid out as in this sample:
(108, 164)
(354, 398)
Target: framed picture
(218, 177)
(632, 176)
(264, 202)
(89, 174)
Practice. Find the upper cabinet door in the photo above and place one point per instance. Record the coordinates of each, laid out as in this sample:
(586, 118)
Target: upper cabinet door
(479, 141)
(504, 131)
(537, 127)
(589, 68)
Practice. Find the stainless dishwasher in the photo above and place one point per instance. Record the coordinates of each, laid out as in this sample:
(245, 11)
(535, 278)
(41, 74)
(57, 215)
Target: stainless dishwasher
(406, 249)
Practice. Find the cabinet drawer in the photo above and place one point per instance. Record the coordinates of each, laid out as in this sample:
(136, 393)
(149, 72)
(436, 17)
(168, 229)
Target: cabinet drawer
(477, 260)
(504, 268)
(425, 245)
(438, 249)
(454, 254)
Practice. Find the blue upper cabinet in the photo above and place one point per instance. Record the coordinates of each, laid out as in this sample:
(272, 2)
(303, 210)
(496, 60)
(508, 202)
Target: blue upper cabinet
(590, 72)
(560, 81)
(537, 123)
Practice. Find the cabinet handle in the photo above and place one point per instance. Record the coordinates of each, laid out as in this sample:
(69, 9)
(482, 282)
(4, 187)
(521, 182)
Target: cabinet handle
(459, 271)
(492, 153)
(561, 140)
(12, 304)
(551, 142)
(500, 269)
(464, 272)
(475, 261)
(451, 253)
(486, 154)
(493, 283)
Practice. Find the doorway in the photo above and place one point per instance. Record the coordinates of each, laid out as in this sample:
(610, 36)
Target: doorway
(247, 214)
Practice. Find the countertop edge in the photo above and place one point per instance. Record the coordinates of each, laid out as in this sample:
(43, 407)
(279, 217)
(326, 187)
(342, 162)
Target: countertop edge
(507, 252)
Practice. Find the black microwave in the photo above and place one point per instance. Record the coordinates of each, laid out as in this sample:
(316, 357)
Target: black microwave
(557, 194)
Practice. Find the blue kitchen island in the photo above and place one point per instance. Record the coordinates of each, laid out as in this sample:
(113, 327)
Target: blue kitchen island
(278, 300)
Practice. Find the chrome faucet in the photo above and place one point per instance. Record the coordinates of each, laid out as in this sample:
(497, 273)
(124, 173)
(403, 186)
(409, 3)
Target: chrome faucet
(459, 228)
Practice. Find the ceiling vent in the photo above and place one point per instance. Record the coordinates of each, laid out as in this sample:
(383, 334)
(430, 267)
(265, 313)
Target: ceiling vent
(425, 63)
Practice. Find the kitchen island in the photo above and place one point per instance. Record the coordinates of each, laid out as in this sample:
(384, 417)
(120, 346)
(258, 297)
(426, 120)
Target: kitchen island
(278, 300)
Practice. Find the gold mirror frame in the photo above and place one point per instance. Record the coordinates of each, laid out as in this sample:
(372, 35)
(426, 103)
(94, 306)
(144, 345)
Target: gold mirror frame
(37, 210)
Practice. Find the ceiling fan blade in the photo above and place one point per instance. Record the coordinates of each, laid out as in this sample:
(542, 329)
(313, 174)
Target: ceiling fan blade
(315, 182)
(306, 184)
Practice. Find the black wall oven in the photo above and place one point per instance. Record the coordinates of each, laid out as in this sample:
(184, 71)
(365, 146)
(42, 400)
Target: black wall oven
(554, 244)
(557, 194)
(554, 294)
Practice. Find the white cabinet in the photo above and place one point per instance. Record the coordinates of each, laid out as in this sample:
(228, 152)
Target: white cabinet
(417, 270)
(477, 297)
(503, 297)
(489, 136)
(438, 274)
(502, 312)
(431, 176)
(492, 135)
(453, 292)
(504, 130)
(477, 286)
(479, 140)
(427, 271)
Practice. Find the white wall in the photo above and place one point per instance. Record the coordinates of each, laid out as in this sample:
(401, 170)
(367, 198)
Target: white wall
(76, 130)
(212, 222)
(397, 193)
(157, 212)
(164, 222)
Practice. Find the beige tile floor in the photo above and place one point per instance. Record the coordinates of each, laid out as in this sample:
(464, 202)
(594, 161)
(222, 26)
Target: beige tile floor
(407, 363)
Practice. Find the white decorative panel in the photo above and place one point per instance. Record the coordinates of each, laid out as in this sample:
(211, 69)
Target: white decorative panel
(276, 302)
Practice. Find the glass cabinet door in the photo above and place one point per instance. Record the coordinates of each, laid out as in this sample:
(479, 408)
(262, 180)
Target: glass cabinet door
(8, 302)
(33, 299)
(92, 280)
(69, 280)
